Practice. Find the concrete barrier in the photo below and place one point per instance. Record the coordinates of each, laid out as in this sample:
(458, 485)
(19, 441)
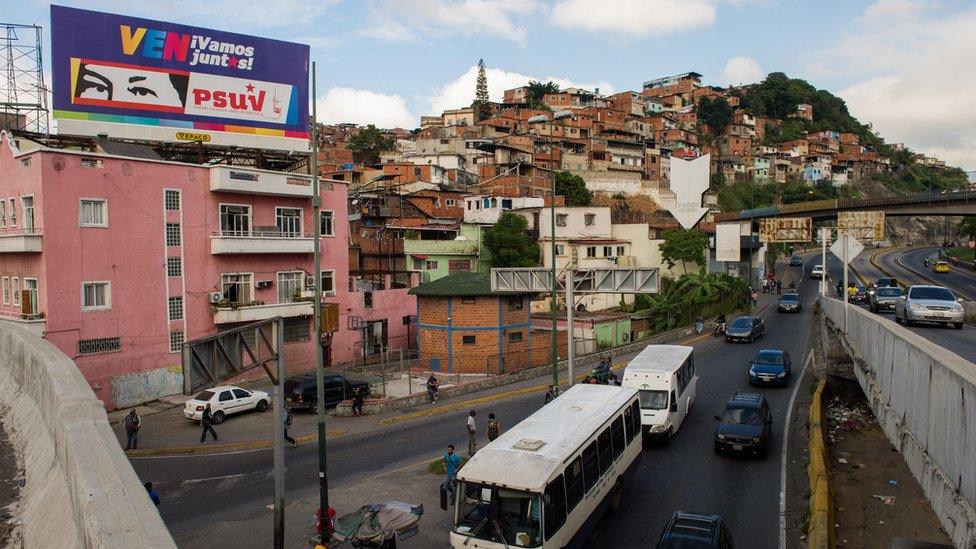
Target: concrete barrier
(821, 530)
(80, 489)
(924, 398)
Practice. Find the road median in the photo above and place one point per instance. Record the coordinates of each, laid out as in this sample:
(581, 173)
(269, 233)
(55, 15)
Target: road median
(821, 529)
(225, 446)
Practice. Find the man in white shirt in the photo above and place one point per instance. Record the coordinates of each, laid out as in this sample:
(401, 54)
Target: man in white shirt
(472, 433)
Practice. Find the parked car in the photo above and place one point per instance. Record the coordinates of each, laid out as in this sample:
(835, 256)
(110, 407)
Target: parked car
(929, 304)
(885, 281)
(745, 328)
(770, 367)
(884, 299)
(300, 391)
(224, 401)
(817, 272)
(789, 303)
(941, 267)
(796, 261)
(697, 530)
(745, 425)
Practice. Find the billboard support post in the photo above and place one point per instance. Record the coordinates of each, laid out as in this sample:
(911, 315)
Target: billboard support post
(279, 442)
(570, 327)
(823, 261)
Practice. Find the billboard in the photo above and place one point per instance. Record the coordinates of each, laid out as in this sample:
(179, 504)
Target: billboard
(864, 226)
(134, 78)
(785, 229)
(728, 244)
(689, 180)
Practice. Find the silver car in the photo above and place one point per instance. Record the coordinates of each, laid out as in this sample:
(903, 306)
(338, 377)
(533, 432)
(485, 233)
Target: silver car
(929, 304)
(884, 298)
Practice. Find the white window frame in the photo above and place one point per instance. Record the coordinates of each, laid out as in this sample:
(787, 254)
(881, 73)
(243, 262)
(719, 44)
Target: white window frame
(166, 243)
(251, 275)
(169, 308)
(15, 291)
(278, 285)
(108, 295)
(37, 293)
(449, 202)
(301, 220)
(6, 290)
(250, 220)
(3, 213)
(33, 209)
(179, 348)
(12, 212)
(589, 219)
(588, 255)
(179, 262)
(330, 234)
(179, 200)
(104, 223)
(332, 272)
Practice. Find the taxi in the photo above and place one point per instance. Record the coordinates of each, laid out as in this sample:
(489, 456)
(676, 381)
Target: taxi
(941, 267)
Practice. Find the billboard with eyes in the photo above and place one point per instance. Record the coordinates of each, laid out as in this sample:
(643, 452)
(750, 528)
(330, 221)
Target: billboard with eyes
(133, 78)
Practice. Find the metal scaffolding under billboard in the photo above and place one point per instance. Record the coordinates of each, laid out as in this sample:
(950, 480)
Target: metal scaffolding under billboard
(209, 360)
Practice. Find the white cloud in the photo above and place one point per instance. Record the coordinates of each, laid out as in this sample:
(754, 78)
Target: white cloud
(364, 107)
(222, 14)
(416, 20)
(634, 17)
(907, 61)
(460, 91)
(742, 70)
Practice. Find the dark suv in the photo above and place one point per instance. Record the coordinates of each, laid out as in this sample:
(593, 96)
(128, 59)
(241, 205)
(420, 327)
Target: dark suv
(745, 426)
(300, 391)
(695, 530)
(886, 281)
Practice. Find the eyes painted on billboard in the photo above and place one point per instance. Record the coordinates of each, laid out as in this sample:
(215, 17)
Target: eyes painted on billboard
(131, 85)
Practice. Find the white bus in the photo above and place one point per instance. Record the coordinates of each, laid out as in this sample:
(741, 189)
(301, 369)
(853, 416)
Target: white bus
(665, 376)
(548, 480)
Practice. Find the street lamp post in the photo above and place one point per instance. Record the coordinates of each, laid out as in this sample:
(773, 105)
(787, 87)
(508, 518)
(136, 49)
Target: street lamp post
(552, 250)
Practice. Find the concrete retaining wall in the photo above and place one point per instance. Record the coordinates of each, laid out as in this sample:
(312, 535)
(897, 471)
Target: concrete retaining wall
(80, 489)
(924, 397)
(821, 530)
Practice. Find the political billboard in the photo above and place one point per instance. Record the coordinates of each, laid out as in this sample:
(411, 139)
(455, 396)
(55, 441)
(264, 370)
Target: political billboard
(728, 243)
(868, 226)
(785, 229)
(133, 78)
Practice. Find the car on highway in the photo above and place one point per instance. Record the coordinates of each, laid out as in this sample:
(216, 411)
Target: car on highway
(860, 294)
(300, 391)
(770, 367)
(789, 303)
(686, 529)
(884, 299)
(225, 400)
(886, 281)
(745, 426)
(745, 328)
(922, 303)
(817, 272)
(941, 267)
(796, 261)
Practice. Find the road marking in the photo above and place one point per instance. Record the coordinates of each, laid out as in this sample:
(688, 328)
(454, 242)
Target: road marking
(206, 479)
(786, 447)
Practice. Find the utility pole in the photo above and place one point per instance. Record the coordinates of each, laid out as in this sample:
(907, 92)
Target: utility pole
(317, 325)
(555, 312)
(843, 237)
(570, 326)
(823, 261)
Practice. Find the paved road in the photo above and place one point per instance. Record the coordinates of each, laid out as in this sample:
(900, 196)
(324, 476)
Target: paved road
(203, 491)
(958, 279)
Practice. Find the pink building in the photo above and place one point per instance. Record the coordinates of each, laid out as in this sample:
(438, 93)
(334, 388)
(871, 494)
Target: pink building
(118, 260)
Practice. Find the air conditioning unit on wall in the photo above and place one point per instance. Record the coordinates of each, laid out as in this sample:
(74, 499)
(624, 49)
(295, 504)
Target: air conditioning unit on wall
(309, 282)
(215, 297)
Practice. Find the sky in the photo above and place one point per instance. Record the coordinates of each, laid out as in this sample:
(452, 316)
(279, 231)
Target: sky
(905, 66)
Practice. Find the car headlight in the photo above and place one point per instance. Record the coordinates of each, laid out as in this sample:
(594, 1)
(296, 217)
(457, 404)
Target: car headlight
(956, 307)
(755, 440)
(917, 307)
(781, 375)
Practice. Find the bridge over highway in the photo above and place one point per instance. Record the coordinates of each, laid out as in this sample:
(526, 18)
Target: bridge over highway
(948, 203)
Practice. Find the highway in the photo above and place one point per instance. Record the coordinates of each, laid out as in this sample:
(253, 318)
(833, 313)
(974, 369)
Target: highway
(227, 493)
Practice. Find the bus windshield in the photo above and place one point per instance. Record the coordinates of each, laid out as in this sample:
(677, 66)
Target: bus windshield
(497, 514)
(653, 400)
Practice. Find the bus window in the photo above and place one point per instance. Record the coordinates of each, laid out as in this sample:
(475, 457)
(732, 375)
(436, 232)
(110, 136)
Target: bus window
(591, 466)
(554, 506)
(629, 423)
(606, 450)
(617, 431)
(635, 408)
(574, 483)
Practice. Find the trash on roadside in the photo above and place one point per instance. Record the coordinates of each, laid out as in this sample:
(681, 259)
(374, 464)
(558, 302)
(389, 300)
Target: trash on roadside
(893, 482)
(887, 500)
(842, 460)
(847, 415)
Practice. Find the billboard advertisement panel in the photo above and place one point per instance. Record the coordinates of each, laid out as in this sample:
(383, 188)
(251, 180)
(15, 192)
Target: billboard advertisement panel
(134, 78)
(785, 229)
(865, 226)
(728, 245)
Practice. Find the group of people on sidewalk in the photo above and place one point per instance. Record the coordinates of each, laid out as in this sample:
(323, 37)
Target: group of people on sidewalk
(452, 461)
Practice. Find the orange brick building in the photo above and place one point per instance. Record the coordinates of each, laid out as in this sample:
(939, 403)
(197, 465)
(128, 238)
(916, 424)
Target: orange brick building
(464, 327)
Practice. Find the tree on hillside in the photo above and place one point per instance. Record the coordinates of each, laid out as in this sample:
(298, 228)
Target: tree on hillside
(367, 145)
(537, 92)
(482, 107)
(509, 242)
(573, 188)
(716, 113)
(684, 245)
(968, 227)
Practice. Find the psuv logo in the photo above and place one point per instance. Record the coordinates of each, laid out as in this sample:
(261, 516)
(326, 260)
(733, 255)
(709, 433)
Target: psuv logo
(246, 100)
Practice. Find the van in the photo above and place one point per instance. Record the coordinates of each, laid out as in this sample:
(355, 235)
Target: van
(665, 378)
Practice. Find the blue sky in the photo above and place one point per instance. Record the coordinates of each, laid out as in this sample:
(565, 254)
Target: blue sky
(900, 64)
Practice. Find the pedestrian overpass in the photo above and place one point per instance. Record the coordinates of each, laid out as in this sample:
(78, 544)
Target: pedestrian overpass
(956, 203)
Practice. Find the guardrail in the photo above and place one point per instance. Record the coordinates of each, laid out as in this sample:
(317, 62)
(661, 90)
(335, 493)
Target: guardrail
(821, 530)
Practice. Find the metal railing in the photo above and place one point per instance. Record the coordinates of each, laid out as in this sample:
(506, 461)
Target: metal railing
(261, 234)
(20, 231)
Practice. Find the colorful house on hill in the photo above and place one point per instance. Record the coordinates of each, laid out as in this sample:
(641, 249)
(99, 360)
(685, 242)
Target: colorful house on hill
(436, 259)
(465, 327)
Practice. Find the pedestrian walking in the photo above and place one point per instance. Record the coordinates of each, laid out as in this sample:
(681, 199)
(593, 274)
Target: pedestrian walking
(472, 434)
(493, 428)
(699, 325)
(205, 420)
(452, 462)
(550, 394)
(432, 385)
(152, 493)
(132, 422)
(779, 286)
(358, 397)
(288, 420)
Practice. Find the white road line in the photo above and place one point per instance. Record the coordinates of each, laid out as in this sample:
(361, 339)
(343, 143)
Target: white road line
(206, 479)
(786, 447)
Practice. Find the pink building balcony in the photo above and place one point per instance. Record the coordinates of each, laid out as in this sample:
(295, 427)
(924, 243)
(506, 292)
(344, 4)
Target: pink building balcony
(260, 242)
(20, 240)
(231, 313)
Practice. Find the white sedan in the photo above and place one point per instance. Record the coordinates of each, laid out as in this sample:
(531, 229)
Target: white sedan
(224, 401)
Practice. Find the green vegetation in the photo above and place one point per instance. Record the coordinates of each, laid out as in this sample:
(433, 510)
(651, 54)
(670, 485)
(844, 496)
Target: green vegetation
(537, 91)
(681, 301)
(481, 105)
(573, 188)
(745, 195)
(965, 254)
(716, 113)
(967, 227)
(684, 245)
(919, 178)
(509, 243)
(367, 145)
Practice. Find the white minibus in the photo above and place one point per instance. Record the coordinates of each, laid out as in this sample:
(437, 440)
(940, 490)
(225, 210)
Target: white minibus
(665, 377)
(546, 481)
